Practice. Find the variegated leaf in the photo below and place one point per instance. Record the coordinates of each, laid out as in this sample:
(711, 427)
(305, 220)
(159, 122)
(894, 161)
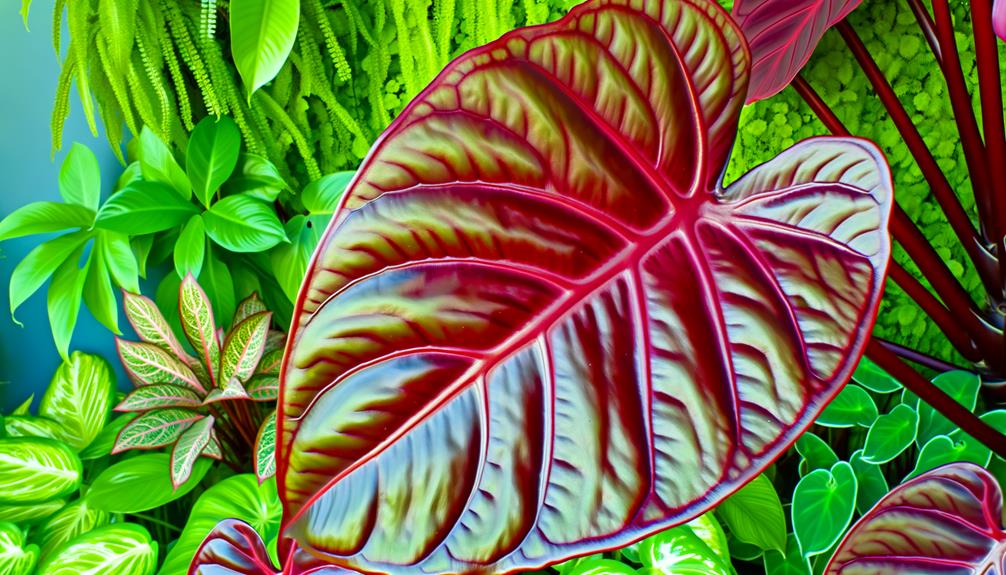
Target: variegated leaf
(270, 362)
(244, 346)
(198, 324)
(230, 390)
(233, 547)
(32, 426)
(117, 549)
(36, 469)
(213, 449)
(148, 364)
(263, 388)
(30, 513)
(187, 449)
(159, 395)
(265, 449)
(248, 307)
(72, 520)
(155, 429)
(15, 557)
(80, 398)
(150, 325)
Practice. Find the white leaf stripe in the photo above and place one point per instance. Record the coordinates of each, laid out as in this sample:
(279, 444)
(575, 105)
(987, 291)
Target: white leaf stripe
(79, 398)
(157, 396)
(117, 549)
(148, 364)
(155, 429)
(150, 325)
(36, 469)
(265, 449)
(198, 325)
(15, 558)
(187, 449)
(244, 346)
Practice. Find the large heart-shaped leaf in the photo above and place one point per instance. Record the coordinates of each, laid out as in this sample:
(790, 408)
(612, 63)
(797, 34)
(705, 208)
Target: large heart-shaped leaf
(945, 521)
(538, 327)
(782, 34)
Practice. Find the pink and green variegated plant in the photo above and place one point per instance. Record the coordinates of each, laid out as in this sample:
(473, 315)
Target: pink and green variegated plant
(206, 404)
(946, 521)
(539, 325)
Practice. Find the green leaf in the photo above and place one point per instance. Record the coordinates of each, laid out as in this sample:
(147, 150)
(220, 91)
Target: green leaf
(150, 325)
(25, 407)
(229, 390)
(962, 386)
(39, 265)
(263, 388)
(198, 324)
(600, 566)
(44, 217)
(167, 303)
(244, 346)
(688, 548)
(815, 452)
(891, 434)
(754, 515)
(870, 376)
(76, 518)
(791, 563)
(144, 207)
(262, 34)
(823, 503)
(853, 406)
(65, 293)
(238, 497)
(32, 426)
(155, 429)
(141, 247)
(216, 280)
(98, 294)
(141, 483)
(265, 449)
(872, 485)
(248, 307)
(80, 178)
(148, 364)
(942, 449)
(322, 196)
(31, 513)
(256, 177)
(25, 8)
(120, 259)
(158, 165)
(289, 261)
(118, 549)
(36, 469)
(159, 396)
(15, 557)
(105, 441)
(211, 156)
(187, 449)
(80, 397)
(242, 223)
(190, 249)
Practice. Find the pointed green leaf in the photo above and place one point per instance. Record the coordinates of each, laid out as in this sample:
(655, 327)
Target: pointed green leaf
(141, 247)
(962, 386)
(120, 259)
(150, 325)
(265, 449)
(823, 503)
(158, 396)
(33, 426)
(891, 434)
(242, 223)
(853, 406)
(36, 469)
(105, 441)
(262, 34)
(870, 376)
(688, 548)
(158, 165)
(117, 549)
(216, 280)
(80, 178)
(31, 513)
(213, 151)
(44, 217)
(248, 307)
(155, 429)
(80, 398)
(244, 346)
(15, 557)
(69, 522)
(144, 207)
(40, 264)
(872, 485)
(257, 177)
(941, 450)
(190, 249)
(141, 483)
(25, 407)
(25, 8)
(263, 388)
(65, 293)
(791, 563)
(230, 390)
(148, 364)
(198, 323)
(815, 452)
(290, 261)
(187, 450)
(754, 515)
(98, 294)
(322, 196)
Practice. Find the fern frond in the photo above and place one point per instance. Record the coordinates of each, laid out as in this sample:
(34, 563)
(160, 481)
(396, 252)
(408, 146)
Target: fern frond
(335, 53)
(156, 80)
(444, 21)
(61, 107)
(57, 26)
(118, 88)
(177, 80)
(191, 57)
(468, 27)
(111, 115)
(405, 61)
(81, 34)
(351, 24)
(280, 115)
(424, 48)
(207, 19)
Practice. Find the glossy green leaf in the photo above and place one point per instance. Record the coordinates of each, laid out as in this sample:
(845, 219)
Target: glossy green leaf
(262, 34)
(69, 522)
(105, 440)
(242, 223)
(32, 426)
(118, 549)
(190, 249)
(148, 364)
(98, 294)
(218, 284)
(187, 449)
(36, 469)
(140, 483)
(30, 513)
(600, 566)
(39, 265)
(25, 407)
(155, 429)
(80, 178)
(264, 387)
(962, 386)
(256, 177)
(244, 346)
(870, 376)
(199, 324)
(141, 248)
(684, 549)
(158, 396)
(15, 557)
(289, 261)
(755, 516)
(891, 434)
(823, 503)
(158, 165)
(144, 207)
(120, 259)
(265, 449)
(80, 398)
(63, 300)
(44, 217)
(212, 153)
(942, 449)
(790, 563)
(815, 452)
(150, 325)
(853, 406)
(322, 196)
(870, 481)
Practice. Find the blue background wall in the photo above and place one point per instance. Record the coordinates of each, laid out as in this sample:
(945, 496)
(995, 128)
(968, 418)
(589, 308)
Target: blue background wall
(29, 71)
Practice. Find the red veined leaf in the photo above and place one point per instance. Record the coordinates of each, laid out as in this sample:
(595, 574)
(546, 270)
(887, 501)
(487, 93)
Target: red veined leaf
(539, 320)
(155, 429)
(187, 449)
(157, 396)
(782, 35)
(244, 346)
(148, 364)
(230, 390)
(270, 362)
(945, 521)
(265, 449)
(213, 449)
(198, 324)
(150, 325)
(232, 548)
(263, 388)
(248, 307)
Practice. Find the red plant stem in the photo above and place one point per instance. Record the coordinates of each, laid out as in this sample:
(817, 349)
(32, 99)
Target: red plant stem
(940, 315)
(928, 27)
(938, 183)
(936, 397)
(918, 357)
(987, 60)
(820, 107)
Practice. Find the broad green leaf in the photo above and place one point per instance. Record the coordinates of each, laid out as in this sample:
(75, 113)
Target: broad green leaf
(238, 497)
(80, 398)
(44, 217)
(187, 449)
(244, 346)
(265, 449)
(15, 557)
(870, 376)
(117, 549)
(63, 299)
(256, 177)
(105, 441)
(853, 406)
(755, 516)
(148, 364)
(823, 503)
(242, 223)
(80, 178)
(791, 563)
(289, 261)
(150, 325)
(942, 449)
(144, 207)
(263, 387)
(262, 34)
(69, 522)
(815, 452)
(198, 323)
(891, 434)
(36, 469)
(216, 280)
(963, 386)
(743, 551)
(158, 165)
(32, 426)
(600, 566)
(213, 151)
(872, 485)
(683, 549)
(98, 294)
(159, 396)
(30, 513)
(167, 303)
(190, 249)
(141, 247)
(248, 307)
(322, 196)
(39, 265)
(132, 173)
(120, 259)
(155, 429)
(140, 483)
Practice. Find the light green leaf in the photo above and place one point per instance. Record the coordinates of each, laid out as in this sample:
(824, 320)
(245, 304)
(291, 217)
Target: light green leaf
(144, 207)
(141, 483)
(187, 449)
(32, 426)
(231, 389)
(872, 485)
(80, 178)
(25, 407)
(120, 259)
(44, 217)
(248, 307)
(238, 497)
(815, 452)
(36, 469)
(289, 261)
(962, 386)
(118, 549)
(791, 563)
(159, 396)
(25, 8)
(15, 557)
(80, 398)
(853, 406)
(65, 293)
(39, 265)
(198, 324)
(148, 364)
(256, 177)
(265, 449)
(212, 154)
(132, 173)
(158, 165)
(242, 223)
(141, 247)
(155, 429)
(870, 376)
(76, 518)
(322, 196)
(685, 549)
(942, 449)
(262, 34)
(190, 249)
(754, 515)
(600, 566)
(31, 513)
(891, 434)
(823, 503)
(98, 294)
(105, 441)
(244, 346)
(150, 325)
